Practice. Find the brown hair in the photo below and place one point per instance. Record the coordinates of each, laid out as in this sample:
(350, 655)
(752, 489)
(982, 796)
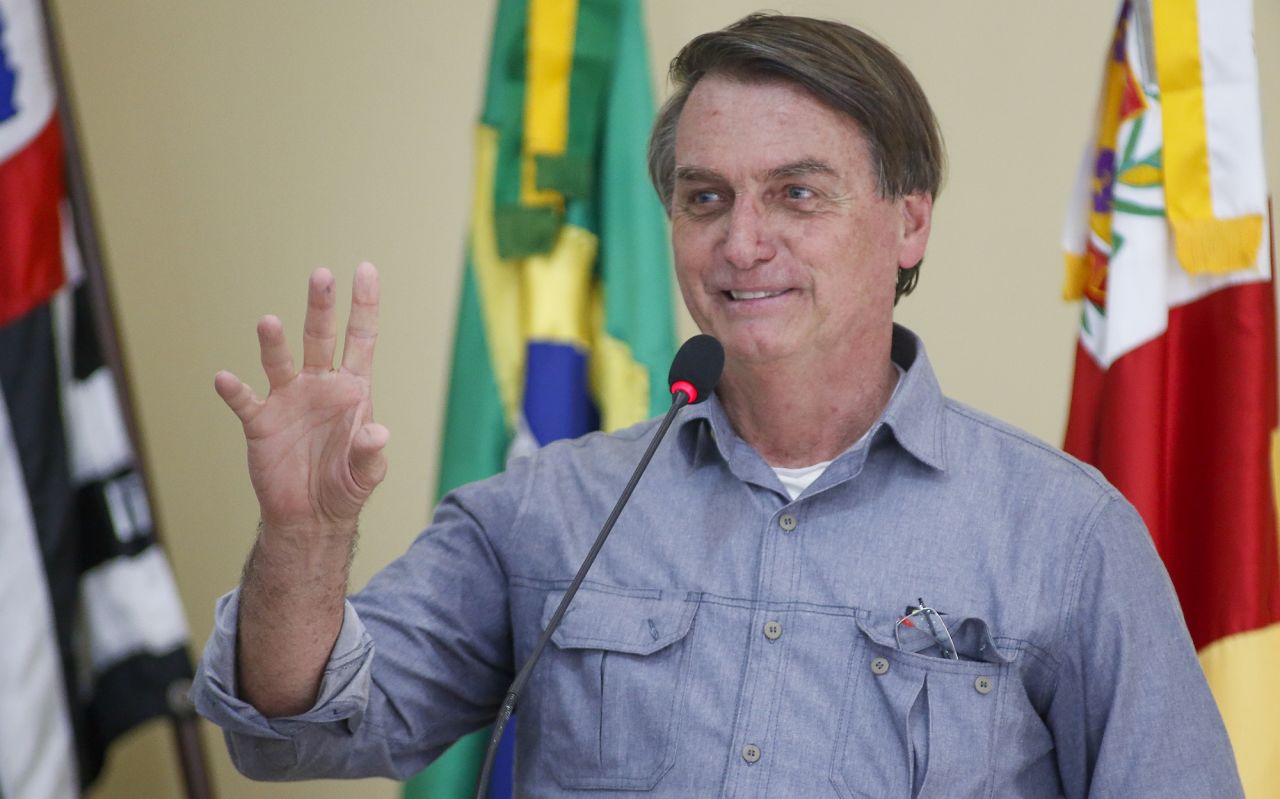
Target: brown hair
(843, 68)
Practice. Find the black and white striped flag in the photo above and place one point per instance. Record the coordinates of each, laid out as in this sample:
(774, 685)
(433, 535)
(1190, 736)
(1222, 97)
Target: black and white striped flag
(92, 633)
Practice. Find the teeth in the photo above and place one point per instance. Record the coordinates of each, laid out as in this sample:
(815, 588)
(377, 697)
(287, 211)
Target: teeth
(753, 295)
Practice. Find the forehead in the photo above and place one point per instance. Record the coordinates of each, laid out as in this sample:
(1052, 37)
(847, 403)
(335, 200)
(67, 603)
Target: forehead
(731, 124)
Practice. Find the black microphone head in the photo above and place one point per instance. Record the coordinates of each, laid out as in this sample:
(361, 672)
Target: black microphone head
(696, 368)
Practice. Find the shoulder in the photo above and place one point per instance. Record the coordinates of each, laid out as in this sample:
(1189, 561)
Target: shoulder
(980, 442)
(1030, 497)
(562, 473)
(591, 458)
(600, 443)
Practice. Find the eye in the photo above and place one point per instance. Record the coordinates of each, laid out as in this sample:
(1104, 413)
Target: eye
(703, 202)
(800, 193)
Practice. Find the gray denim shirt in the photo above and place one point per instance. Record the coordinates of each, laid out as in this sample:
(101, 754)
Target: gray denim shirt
(731, 642)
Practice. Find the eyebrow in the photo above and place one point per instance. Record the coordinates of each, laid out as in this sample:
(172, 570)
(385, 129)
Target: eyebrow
(805, 166)
(697, 174)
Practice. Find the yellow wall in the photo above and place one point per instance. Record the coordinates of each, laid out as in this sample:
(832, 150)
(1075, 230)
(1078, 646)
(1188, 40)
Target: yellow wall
(235, 145)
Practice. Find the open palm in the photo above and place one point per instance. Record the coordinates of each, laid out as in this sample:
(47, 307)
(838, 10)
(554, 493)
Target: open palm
(315, 453)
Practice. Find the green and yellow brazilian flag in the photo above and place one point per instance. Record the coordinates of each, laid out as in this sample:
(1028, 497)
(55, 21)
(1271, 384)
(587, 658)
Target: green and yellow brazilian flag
(564, 324)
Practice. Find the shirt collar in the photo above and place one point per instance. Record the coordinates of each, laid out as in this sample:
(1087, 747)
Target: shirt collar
(915, 415)
(917, 412)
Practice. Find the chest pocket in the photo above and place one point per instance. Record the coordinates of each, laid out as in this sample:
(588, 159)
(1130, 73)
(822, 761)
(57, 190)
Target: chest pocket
(916, 724)
(607, 693)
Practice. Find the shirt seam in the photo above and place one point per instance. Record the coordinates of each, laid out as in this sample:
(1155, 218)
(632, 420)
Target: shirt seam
(522, 508)
(1071, 599)
(1088, 534)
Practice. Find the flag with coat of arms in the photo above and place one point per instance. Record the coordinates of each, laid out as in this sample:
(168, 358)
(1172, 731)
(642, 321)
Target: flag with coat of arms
(1174, 399)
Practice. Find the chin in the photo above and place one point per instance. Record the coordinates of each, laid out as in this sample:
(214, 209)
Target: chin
(756, 349)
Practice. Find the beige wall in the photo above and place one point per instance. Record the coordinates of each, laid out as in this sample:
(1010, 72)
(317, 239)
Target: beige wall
(236, 145)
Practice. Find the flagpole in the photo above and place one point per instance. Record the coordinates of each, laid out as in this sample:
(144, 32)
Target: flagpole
(186, 729)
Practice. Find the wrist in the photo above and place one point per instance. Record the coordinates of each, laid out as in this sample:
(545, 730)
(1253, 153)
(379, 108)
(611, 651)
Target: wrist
(312, 550)
(311, 533)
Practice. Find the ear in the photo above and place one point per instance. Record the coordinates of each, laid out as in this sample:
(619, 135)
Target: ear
(917, 216)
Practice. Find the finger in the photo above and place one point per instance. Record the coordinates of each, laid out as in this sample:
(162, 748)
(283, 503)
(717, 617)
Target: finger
(368, 462)
(276, 360)
(319, 332)
(362, 325)
(237, 394)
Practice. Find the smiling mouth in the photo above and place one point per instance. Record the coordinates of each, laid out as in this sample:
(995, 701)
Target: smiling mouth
(754, 295)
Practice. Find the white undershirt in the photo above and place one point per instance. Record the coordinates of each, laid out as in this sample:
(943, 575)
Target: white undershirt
(798, 479)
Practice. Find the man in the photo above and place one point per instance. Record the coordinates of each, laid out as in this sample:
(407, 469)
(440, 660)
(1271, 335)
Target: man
(832, 581)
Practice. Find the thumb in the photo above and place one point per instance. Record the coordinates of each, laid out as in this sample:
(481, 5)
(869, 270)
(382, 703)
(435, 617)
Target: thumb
(237, 394)
(368, 462)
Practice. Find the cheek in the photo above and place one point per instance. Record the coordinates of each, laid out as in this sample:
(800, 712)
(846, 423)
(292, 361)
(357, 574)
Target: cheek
(866, 241)
(695, 299)
(686, 235)
(880, 228)
(690, 253)
(686, 275)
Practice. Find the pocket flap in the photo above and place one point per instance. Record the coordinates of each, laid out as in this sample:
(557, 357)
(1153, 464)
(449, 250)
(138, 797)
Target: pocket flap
(974, 641)
(638, 625)
(971, 634)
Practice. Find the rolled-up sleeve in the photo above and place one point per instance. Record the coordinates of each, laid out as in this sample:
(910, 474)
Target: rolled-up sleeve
(423, 656)
(268, 748)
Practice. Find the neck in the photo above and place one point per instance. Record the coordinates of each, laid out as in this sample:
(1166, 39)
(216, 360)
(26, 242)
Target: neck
(794, 415)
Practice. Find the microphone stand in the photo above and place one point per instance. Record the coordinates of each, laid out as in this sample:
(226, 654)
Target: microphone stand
(679, 399)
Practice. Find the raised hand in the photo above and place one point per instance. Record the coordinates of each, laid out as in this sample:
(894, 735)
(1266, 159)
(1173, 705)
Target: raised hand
(315, 453)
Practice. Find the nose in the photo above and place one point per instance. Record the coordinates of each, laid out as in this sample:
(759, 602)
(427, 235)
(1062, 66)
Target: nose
(747, 242)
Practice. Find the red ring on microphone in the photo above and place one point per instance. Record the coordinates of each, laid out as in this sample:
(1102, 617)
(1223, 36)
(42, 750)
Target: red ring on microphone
(687, 388)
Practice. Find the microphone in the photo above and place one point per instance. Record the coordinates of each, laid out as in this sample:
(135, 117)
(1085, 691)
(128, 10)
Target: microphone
(696, 368)
(693, 376)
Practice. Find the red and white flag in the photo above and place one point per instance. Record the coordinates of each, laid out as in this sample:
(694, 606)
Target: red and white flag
(1168, 249)
(92, 635)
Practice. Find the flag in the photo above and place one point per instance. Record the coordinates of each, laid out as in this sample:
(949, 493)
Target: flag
(1174, 396)
(564, 324)
(93, 633)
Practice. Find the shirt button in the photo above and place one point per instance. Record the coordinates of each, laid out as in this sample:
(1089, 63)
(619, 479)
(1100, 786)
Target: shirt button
(751, 753)
(773, 630)
(983, 685)
(787, 522)
(879, 666)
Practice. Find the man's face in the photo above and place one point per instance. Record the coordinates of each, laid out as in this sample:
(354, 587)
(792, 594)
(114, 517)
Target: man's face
(783, 247)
